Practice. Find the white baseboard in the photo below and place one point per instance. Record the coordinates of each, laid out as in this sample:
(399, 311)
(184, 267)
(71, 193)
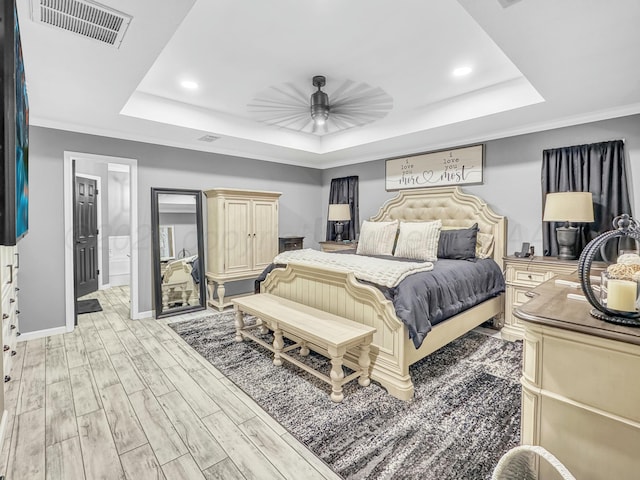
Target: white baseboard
(105, 286)
(119, 280)
(141, 315)
(41, 333)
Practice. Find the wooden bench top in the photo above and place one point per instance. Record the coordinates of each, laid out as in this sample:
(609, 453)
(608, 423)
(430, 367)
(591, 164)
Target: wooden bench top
(295, 318)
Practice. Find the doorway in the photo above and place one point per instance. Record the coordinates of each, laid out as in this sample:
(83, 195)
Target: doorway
(72, 266)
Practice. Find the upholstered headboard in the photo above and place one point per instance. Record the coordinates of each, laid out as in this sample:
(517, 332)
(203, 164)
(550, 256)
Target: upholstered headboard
(453, 207)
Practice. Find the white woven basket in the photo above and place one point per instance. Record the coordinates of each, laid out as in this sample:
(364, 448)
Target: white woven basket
(519, 464)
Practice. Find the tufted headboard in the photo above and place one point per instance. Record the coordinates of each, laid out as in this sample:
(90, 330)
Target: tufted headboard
(453, 207)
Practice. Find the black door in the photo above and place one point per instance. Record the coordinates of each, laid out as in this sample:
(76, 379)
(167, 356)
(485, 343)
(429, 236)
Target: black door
(86, 236)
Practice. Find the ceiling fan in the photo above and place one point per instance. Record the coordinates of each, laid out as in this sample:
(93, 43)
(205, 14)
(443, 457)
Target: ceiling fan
(350, 105)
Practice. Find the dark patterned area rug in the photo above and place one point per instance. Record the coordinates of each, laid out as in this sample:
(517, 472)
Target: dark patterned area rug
(465, 414)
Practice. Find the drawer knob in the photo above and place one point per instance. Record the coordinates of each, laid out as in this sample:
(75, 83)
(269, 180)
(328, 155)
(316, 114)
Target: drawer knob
(6, 347)
(12, 300)
(5, 316)
(7, 378)
(529, 276)
(13, 353)
(17, 289)
(18, 334)
(17, 312)
(13, 327)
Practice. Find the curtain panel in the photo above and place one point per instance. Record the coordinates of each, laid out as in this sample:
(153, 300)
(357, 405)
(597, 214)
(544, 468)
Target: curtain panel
(345, 190)
(599, 168)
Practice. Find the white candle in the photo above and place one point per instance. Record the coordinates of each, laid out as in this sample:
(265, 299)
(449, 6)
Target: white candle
(621, 295)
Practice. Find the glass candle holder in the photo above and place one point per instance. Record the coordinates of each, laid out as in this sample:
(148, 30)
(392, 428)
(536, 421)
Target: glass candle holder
(619, 295)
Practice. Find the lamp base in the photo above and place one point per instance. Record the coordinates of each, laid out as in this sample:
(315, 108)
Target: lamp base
(339, 226)
(567, 237)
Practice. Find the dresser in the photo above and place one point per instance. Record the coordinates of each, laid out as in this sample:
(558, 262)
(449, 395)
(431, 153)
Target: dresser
(10, 262)
(337, 246)
(286, 244)
(580, 386)
(521, 275)
(242, 237)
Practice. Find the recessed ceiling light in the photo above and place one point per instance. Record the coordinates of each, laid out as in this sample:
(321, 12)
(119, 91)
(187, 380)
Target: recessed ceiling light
(461, 71)
(189, 84)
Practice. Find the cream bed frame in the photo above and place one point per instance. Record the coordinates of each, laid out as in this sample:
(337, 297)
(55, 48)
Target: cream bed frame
(392, 351)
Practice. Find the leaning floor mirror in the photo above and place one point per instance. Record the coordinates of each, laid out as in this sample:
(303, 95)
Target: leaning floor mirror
(178, 251)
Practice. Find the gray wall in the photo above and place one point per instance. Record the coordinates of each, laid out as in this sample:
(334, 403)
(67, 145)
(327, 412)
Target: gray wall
(42, 259)
(512, 175)
(119, 203)
(185, 231)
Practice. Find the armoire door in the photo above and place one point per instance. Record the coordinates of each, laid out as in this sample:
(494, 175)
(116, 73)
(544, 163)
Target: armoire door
(265, 224)
(239, 236)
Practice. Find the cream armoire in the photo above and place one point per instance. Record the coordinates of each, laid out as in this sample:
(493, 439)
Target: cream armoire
(242, 237)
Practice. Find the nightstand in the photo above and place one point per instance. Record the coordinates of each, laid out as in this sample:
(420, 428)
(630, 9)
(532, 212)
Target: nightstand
(522, 275)
(286, 244)
(336, 246)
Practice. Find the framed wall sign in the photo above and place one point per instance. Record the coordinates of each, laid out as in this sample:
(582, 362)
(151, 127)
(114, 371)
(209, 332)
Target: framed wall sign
(460, 166)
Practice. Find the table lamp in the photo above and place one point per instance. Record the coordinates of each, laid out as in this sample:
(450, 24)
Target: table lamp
(339, 213)
(568, 207)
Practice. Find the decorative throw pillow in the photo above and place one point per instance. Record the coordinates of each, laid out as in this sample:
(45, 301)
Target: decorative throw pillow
(418, 240)
(377, 238)
(459, 244)
(484, 245)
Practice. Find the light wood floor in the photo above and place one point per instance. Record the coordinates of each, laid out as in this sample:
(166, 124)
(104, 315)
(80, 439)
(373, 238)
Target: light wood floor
(122, 399)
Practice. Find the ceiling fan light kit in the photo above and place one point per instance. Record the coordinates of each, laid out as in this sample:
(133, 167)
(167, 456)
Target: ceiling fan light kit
(319, 102)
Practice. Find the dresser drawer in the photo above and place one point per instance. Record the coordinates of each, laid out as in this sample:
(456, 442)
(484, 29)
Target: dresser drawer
(528, 277)
(286, 244)
(6, 364)
(520, 295)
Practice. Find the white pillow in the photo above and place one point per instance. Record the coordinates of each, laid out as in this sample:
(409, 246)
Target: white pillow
(419, 240)
(484, 245)
(377, 238)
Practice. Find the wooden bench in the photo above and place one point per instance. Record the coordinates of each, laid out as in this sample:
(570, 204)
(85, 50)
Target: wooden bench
(314, 327)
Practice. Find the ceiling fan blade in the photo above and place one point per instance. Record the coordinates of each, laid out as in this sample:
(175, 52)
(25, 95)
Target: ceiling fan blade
(352, 104)
(339, 92)
(340, 122)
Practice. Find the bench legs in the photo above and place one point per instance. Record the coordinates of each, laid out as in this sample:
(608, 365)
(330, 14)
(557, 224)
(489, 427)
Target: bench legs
(239, 324)
(337, 373)
(365, 362)
(278, 345)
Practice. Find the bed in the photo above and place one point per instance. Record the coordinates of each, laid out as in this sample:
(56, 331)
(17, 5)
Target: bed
(340, 293)
(180, 280)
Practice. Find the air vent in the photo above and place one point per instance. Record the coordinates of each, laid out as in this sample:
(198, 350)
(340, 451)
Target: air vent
(83, 17)
(507, 3)
(208, 138)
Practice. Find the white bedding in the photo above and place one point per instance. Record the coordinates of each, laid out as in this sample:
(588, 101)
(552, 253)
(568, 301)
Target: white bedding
(387, 273)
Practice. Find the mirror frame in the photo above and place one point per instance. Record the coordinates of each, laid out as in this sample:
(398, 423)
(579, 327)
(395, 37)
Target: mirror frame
(155, 239)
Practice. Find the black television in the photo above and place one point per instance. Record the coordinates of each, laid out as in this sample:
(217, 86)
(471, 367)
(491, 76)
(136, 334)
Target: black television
(14, 128)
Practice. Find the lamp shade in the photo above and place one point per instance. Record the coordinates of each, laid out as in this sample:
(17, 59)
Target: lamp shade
(568, 207)
(339, 212)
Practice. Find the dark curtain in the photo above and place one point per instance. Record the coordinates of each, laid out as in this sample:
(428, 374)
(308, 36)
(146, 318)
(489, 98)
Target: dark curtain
(598, 168)
(345, 190)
